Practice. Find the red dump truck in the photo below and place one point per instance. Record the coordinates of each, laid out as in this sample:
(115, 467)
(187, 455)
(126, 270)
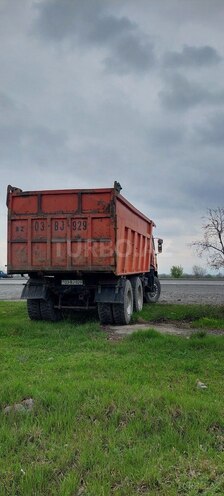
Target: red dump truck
(82, 249)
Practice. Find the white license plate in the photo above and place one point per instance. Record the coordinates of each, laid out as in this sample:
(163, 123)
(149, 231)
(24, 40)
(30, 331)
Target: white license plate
(72, 282)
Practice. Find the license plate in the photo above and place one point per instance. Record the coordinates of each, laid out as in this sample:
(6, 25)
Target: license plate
(72, 282)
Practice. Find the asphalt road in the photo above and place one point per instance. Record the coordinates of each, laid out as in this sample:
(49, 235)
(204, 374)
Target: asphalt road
(172, 291)
(186, 292)
(11, 289)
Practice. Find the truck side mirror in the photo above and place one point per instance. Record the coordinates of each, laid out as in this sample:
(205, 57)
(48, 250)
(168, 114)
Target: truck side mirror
(160, 245)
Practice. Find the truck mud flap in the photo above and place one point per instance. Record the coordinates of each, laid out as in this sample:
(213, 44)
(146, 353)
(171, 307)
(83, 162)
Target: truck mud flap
(150, 282)
(109, 294)
(34, 292)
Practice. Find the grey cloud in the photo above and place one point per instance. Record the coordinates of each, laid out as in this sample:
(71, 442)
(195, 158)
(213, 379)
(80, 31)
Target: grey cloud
(88, 22)
(178, 13)
(21, 137)
(44, 141)
(11, 127)
(58, 21)
(6, 103)
(72, 126)
(192, 56)
(31, 145)
(165, 137)
(205, 192)
(184, 195)
(182, 94)
(108, 28)
(212, 133)
(202, 182)
(12, 113)
(85, 20)
(130, 53)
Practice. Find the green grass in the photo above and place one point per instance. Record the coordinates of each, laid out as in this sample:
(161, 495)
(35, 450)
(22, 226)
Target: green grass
(198, 316)
(110, 418)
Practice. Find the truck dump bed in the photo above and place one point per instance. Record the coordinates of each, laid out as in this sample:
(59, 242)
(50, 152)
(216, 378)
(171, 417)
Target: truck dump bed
(76, 230)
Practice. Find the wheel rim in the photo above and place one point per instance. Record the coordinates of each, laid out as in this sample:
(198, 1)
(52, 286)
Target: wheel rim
(129, 303)
(154, 293)
(139, 296)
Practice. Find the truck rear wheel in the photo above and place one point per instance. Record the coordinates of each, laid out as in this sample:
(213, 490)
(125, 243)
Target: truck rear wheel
(48, 311)
(137, 293)
(105, 313)
(122, 312)
(33, 309)
(153, 296)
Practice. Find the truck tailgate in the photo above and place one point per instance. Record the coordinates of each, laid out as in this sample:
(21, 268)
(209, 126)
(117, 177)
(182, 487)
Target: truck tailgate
(63, 230)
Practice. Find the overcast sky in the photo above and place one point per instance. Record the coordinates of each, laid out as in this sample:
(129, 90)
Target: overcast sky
(93, 91)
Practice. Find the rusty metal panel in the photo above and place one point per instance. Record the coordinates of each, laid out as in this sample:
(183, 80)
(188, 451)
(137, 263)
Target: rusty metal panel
(19, 256)
(69, 230)
(96, 201)
(19, 230)
(62, 202)
(24, 204)
(134, 239)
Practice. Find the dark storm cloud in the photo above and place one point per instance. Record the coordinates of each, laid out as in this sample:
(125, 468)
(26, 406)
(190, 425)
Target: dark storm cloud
(108, 28)
(181, 94)
(64, 123)
(88, 22)
(212, 133)
(130, 54)
(58, 20)
(192, 56)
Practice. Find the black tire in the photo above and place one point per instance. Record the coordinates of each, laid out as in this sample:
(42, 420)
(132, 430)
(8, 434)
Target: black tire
(122, 312)
(137, 293)
(152, 297)
(105, 313)
(48, 311)
(33, 309)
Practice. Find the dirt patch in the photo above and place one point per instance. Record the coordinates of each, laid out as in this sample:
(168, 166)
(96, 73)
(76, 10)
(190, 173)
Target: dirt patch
(116, 333)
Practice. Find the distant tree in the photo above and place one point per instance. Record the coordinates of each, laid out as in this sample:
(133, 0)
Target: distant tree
(176, 271)
(198, 271)
(212, 243)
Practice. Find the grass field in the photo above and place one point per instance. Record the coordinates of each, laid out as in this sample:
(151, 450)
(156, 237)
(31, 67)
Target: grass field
(110, 418)
(197, 316)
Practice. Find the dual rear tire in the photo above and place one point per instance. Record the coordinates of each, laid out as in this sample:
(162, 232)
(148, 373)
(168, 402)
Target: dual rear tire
(105, 312)
(116, 313)
(137, 293)
(33, 309)
(121, 313)
(43, 310)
